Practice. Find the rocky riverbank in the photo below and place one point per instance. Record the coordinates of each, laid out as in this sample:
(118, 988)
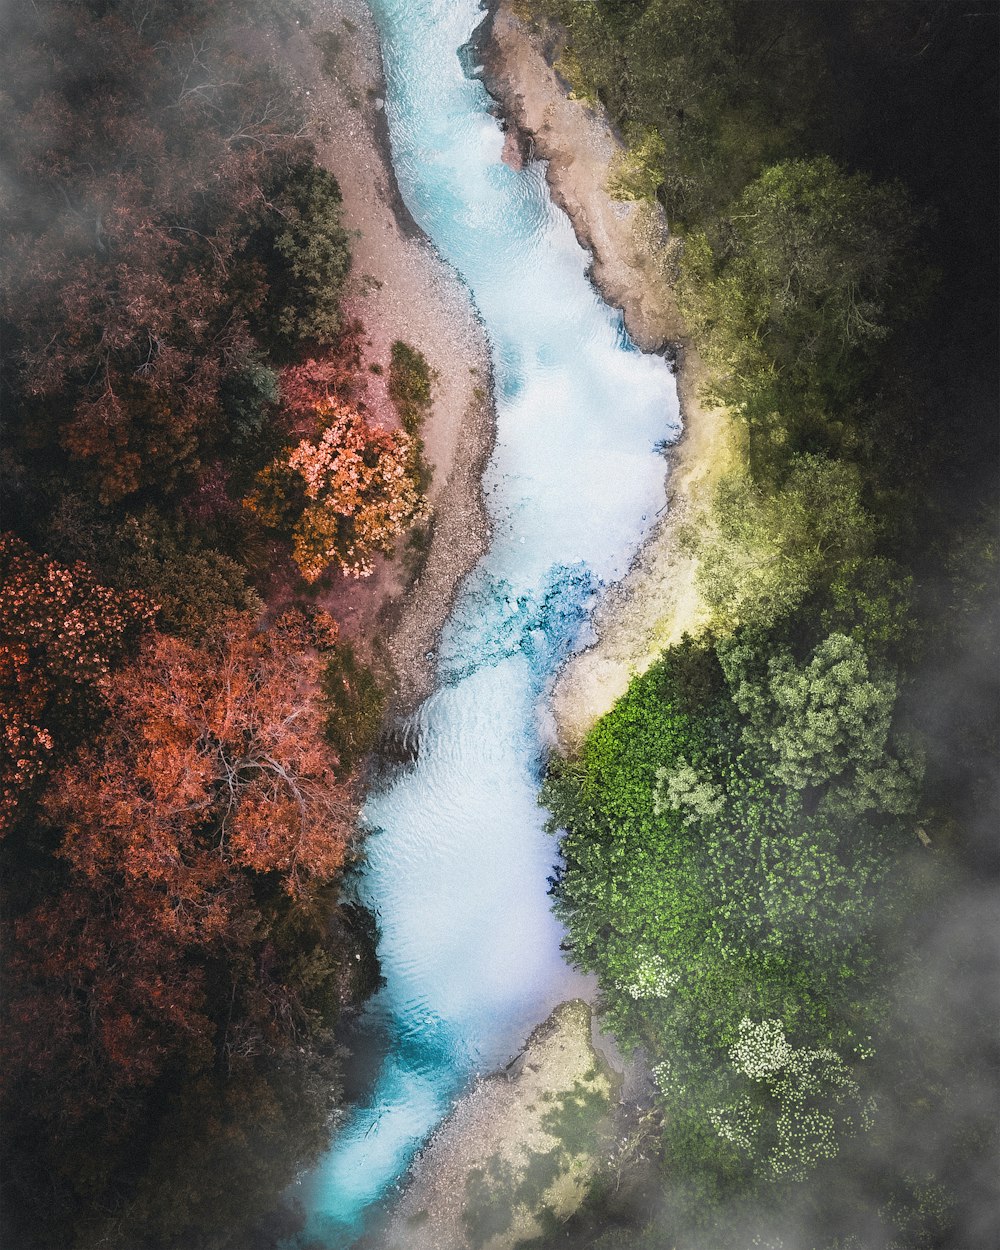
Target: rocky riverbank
(515, 1157)
(399, 288)
(658, 601)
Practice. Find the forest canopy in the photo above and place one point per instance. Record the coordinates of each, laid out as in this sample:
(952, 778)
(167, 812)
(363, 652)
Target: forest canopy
(179, 783)
(760, 836)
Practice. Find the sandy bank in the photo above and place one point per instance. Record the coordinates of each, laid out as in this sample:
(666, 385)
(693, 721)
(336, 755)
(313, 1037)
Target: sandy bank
(399, 288)
(518, 1152)
(658, 601)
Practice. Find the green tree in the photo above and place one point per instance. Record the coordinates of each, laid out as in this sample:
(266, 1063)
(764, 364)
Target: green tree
(813, 268)
(826, 720)
(309, 258)
(355, 706)
(410, 385)
(761, 553)
(248, 396)
(815, 719)
(193, 584)
(707, 889)
(637, 173)
(724, 87)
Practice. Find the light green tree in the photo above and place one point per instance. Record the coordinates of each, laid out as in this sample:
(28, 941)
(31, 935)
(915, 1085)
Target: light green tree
(691, 792)
(812, 270)
(827, 720)
(637, 172)
(828, 714)
(760, 553)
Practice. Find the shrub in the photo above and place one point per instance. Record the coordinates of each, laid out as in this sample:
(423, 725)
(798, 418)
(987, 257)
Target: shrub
(409, 385)
(355, 704)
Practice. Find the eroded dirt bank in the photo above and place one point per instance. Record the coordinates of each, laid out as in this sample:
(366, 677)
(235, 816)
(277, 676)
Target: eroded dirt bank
(658, 601)
(399, 288)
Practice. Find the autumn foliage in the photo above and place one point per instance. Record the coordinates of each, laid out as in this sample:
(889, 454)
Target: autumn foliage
(177, 789)
(212, 761)
(310, 386)
(202, 818)
(147, 221)
(344, 496)
(60, 633)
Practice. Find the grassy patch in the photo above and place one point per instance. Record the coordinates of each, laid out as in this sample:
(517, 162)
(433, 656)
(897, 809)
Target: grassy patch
(355, 704)
(410, 379)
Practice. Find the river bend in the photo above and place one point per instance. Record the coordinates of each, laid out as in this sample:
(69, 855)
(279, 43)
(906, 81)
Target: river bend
(457, 859)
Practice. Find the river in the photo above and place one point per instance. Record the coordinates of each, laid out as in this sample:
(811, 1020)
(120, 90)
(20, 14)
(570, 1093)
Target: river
(457, 858)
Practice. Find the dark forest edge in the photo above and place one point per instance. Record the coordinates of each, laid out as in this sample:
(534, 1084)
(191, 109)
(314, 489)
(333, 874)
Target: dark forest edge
(186, 466)
(779, 845)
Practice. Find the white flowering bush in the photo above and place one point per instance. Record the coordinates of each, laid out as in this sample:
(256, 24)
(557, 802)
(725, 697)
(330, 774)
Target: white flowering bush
(667, 1081)
(761, 1050)
(651, 978)
(738, 1124)
(818, 1101)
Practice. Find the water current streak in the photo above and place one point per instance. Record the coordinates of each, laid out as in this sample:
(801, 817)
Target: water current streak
(458, 859)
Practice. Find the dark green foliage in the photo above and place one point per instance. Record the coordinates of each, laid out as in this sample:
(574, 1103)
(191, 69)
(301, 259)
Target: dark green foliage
(410, 389)
(192, 584)
(355, 706)
(872, 600)
(810, 270)
(725, 86)
(248, 397)
(409, 385)
(753, 124)
(309, 259)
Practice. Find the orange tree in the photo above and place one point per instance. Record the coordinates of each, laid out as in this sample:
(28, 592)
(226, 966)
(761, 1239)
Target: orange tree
(191, 936)
(60, 632)
(344, 496)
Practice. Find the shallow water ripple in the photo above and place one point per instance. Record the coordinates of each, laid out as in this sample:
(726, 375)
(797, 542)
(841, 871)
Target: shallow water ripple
(457, 859)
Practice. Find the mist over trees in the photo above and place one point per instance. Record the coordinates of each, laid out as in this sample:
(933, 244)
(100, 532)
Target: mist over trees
(180, 767)
(775, 844)
(779, 847)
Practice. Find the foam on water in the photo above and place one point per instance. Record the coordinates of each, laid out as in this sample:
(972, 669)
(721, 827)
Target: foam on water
(457, 859)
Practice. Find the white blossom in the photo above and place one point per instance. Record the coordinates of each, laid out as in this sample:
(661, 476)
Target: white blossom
(799, 1079)
(651, 978)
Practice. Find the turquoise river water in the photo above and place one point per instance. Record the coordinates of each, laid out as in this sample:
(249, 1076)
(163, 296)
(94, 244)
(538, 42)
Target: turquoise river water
(457, 859)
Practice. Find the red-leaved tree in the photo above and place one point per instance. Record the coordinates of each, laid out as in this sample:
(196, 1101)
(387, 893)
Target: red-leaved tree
(60, 633)
(344, 496)
(212, 761)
